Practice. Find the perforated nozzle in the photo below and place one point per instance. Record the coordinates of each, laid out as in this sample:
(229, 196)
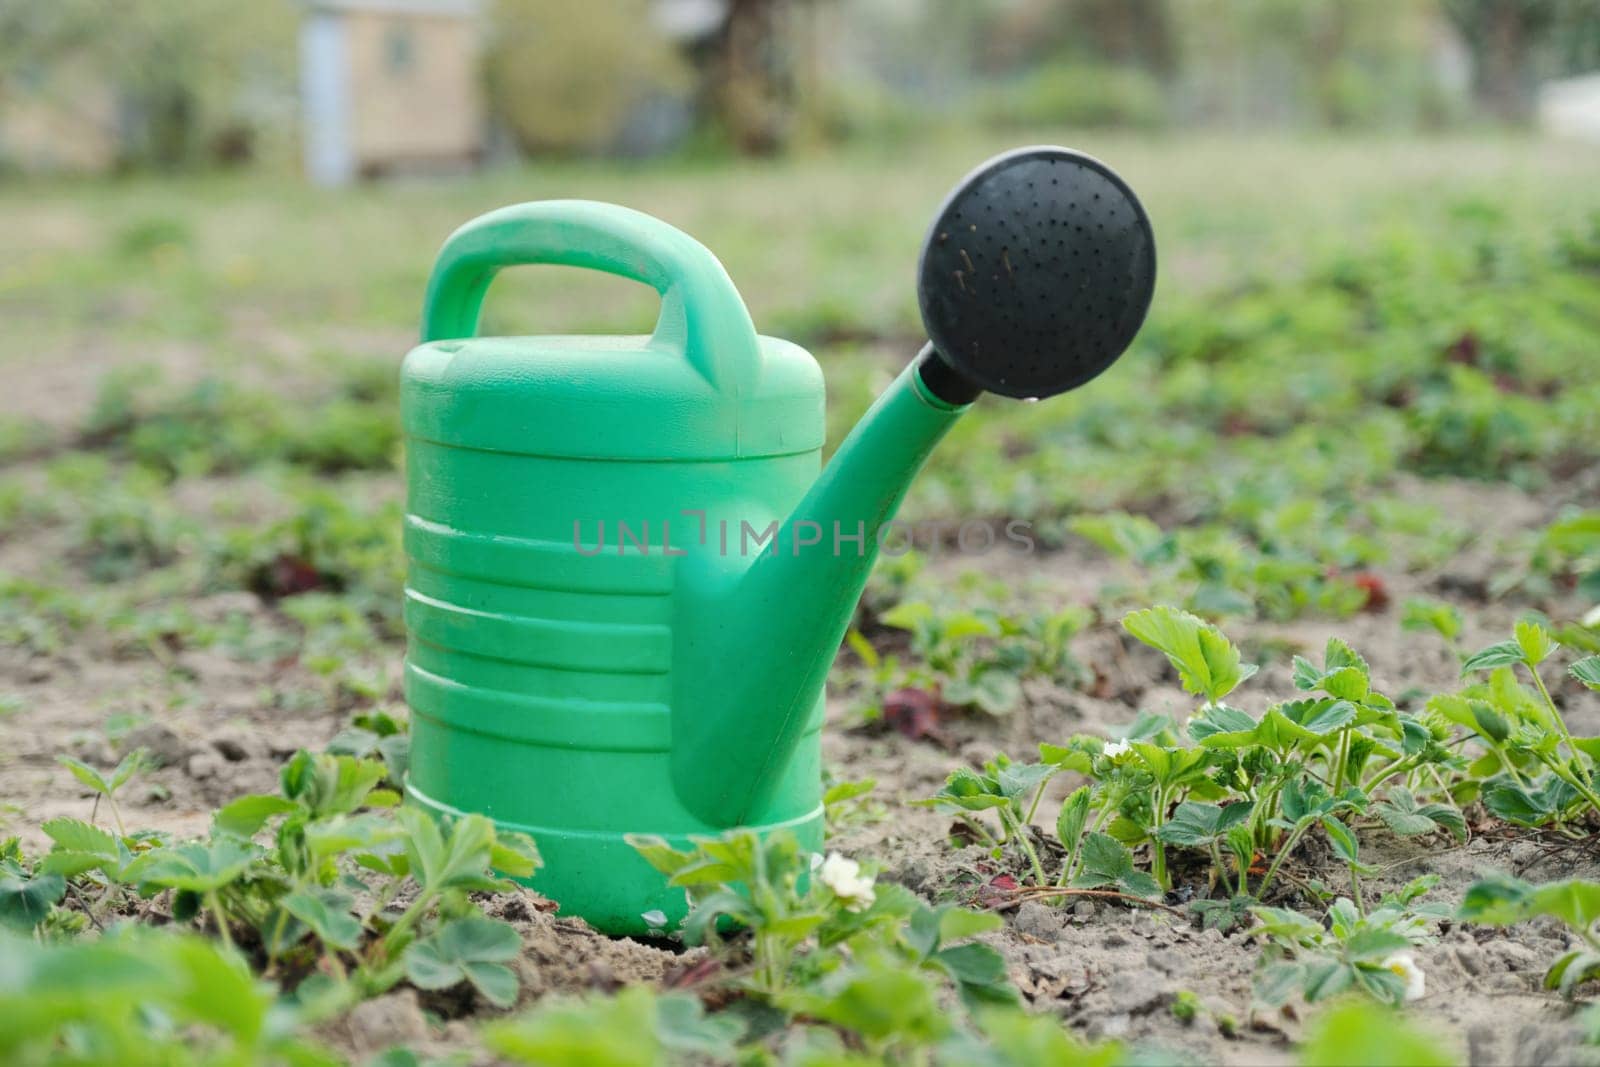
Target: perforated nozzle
(1035, 276)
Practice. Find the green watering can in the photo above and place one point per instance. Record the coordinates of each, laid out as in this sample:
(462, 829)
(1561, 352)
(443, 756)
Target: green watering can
(627, 579)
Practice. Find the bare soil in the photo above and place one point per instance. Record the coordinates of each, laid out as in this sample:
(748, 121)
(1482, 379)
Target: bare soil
(221, 724)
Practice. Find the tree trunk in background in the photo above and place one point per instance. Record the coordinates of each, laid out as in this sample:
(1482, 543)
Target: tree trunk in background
(1502, 36)
(753, 90)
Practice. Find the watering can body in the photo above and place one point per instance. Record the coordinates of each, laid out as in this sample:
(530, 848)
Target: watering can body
(589, 652)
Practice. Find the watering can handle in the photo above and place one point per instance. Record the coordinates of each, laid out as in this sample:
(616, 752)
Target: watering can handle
(702, 314)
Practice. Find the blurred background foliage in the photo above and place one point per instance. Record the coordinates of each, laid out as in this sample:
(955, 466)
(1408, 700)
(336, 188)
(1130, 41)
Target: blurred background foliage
(194, 83)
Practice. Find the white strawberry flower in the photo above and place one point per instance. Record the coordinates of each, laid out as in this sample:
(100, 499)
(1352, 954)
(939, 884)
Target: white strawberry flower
(844, 877)
(1404, 964)
(1115, 750)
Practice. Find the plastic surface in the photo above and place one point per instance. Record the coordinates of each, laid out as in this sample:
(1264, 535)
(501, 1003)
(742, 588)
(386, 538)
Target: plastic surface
(1037, 272)
(702, 386)
(627, 579)
(541, 668)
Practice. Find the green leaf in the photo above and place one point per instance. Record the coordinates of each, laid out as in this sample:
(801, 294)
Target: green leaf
(1288, 925)
(127, 768)
(1346, 683)
(660, 855)
(1343, 840)
(196, 866)
(456, 856)
(619, 1031)
(1326, 979)
(1196, 824)
(1277, 982)
(1373, 944)
(683, 1027)
(329, 784)
(86, 774)
(1534, 641)
(80, 847)
(514, 855)
(1206, 661)
(1358, 1031)
(1220, 719)
(26, 900)
(1503, 654)
(1021, 779)
(1443, 618)
(966, 790)
(1320, 717)
(1074, 816)
(994, 689)
(840, 792)
(466, 950)
(74, 836)
(1571, 970)
(1511, 802)
(1067, 758)
(327, 912)
(1497, 900)
(1573, 901)
(1105, 860)
(1587, 671)
(979, 972)
(876, 998)
(1403, 815)
(958, 924)
(246, 816)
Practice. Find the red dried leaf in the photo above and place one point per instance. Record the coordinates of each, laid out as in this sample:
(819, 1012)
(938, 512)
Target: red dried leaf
(288, 575)
(1464, 350)
(1373, 585)
(914, 712)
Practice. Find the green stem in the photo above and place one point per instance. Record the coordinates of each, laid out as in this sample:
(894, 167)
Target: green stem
(1341, 757)
(1570, 778)
(1355, 890)
(1222, 871)
(1069, 868)
(1277, 861)
(407, 919)
(1038, 795)
(1511, 768)
(1555, 712)
(1383, 774)
(1158, 850)
(116, 815)
(1021, 834)
(214, 905)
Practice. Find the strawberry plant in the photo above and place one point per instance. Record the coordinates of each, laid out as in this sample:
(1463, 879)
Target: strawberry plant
(809, 917)
(1011, 790)
(1243, 789)
(297, 897)
(975, 657)
(1369, 952)
(1501, 900)
(1534, 771)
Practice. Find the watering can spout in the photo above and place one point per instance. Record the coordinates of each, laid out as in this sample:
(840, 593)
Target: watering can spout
(789, 608)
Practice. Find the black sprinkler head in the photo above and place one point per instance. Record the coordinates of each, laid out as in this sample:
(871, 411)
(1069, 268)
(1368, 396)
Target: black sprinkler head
(1035, 276)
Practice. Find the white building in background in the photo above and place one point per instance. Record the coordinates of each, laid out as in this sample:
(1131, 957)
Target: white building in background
(389, 86)
(1571, 107)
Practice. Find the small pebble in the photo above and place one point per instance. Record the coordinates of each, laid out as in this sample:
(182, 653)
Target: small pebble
(203, 765)
(1038, 920)
(162, 746)
(230, 749)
